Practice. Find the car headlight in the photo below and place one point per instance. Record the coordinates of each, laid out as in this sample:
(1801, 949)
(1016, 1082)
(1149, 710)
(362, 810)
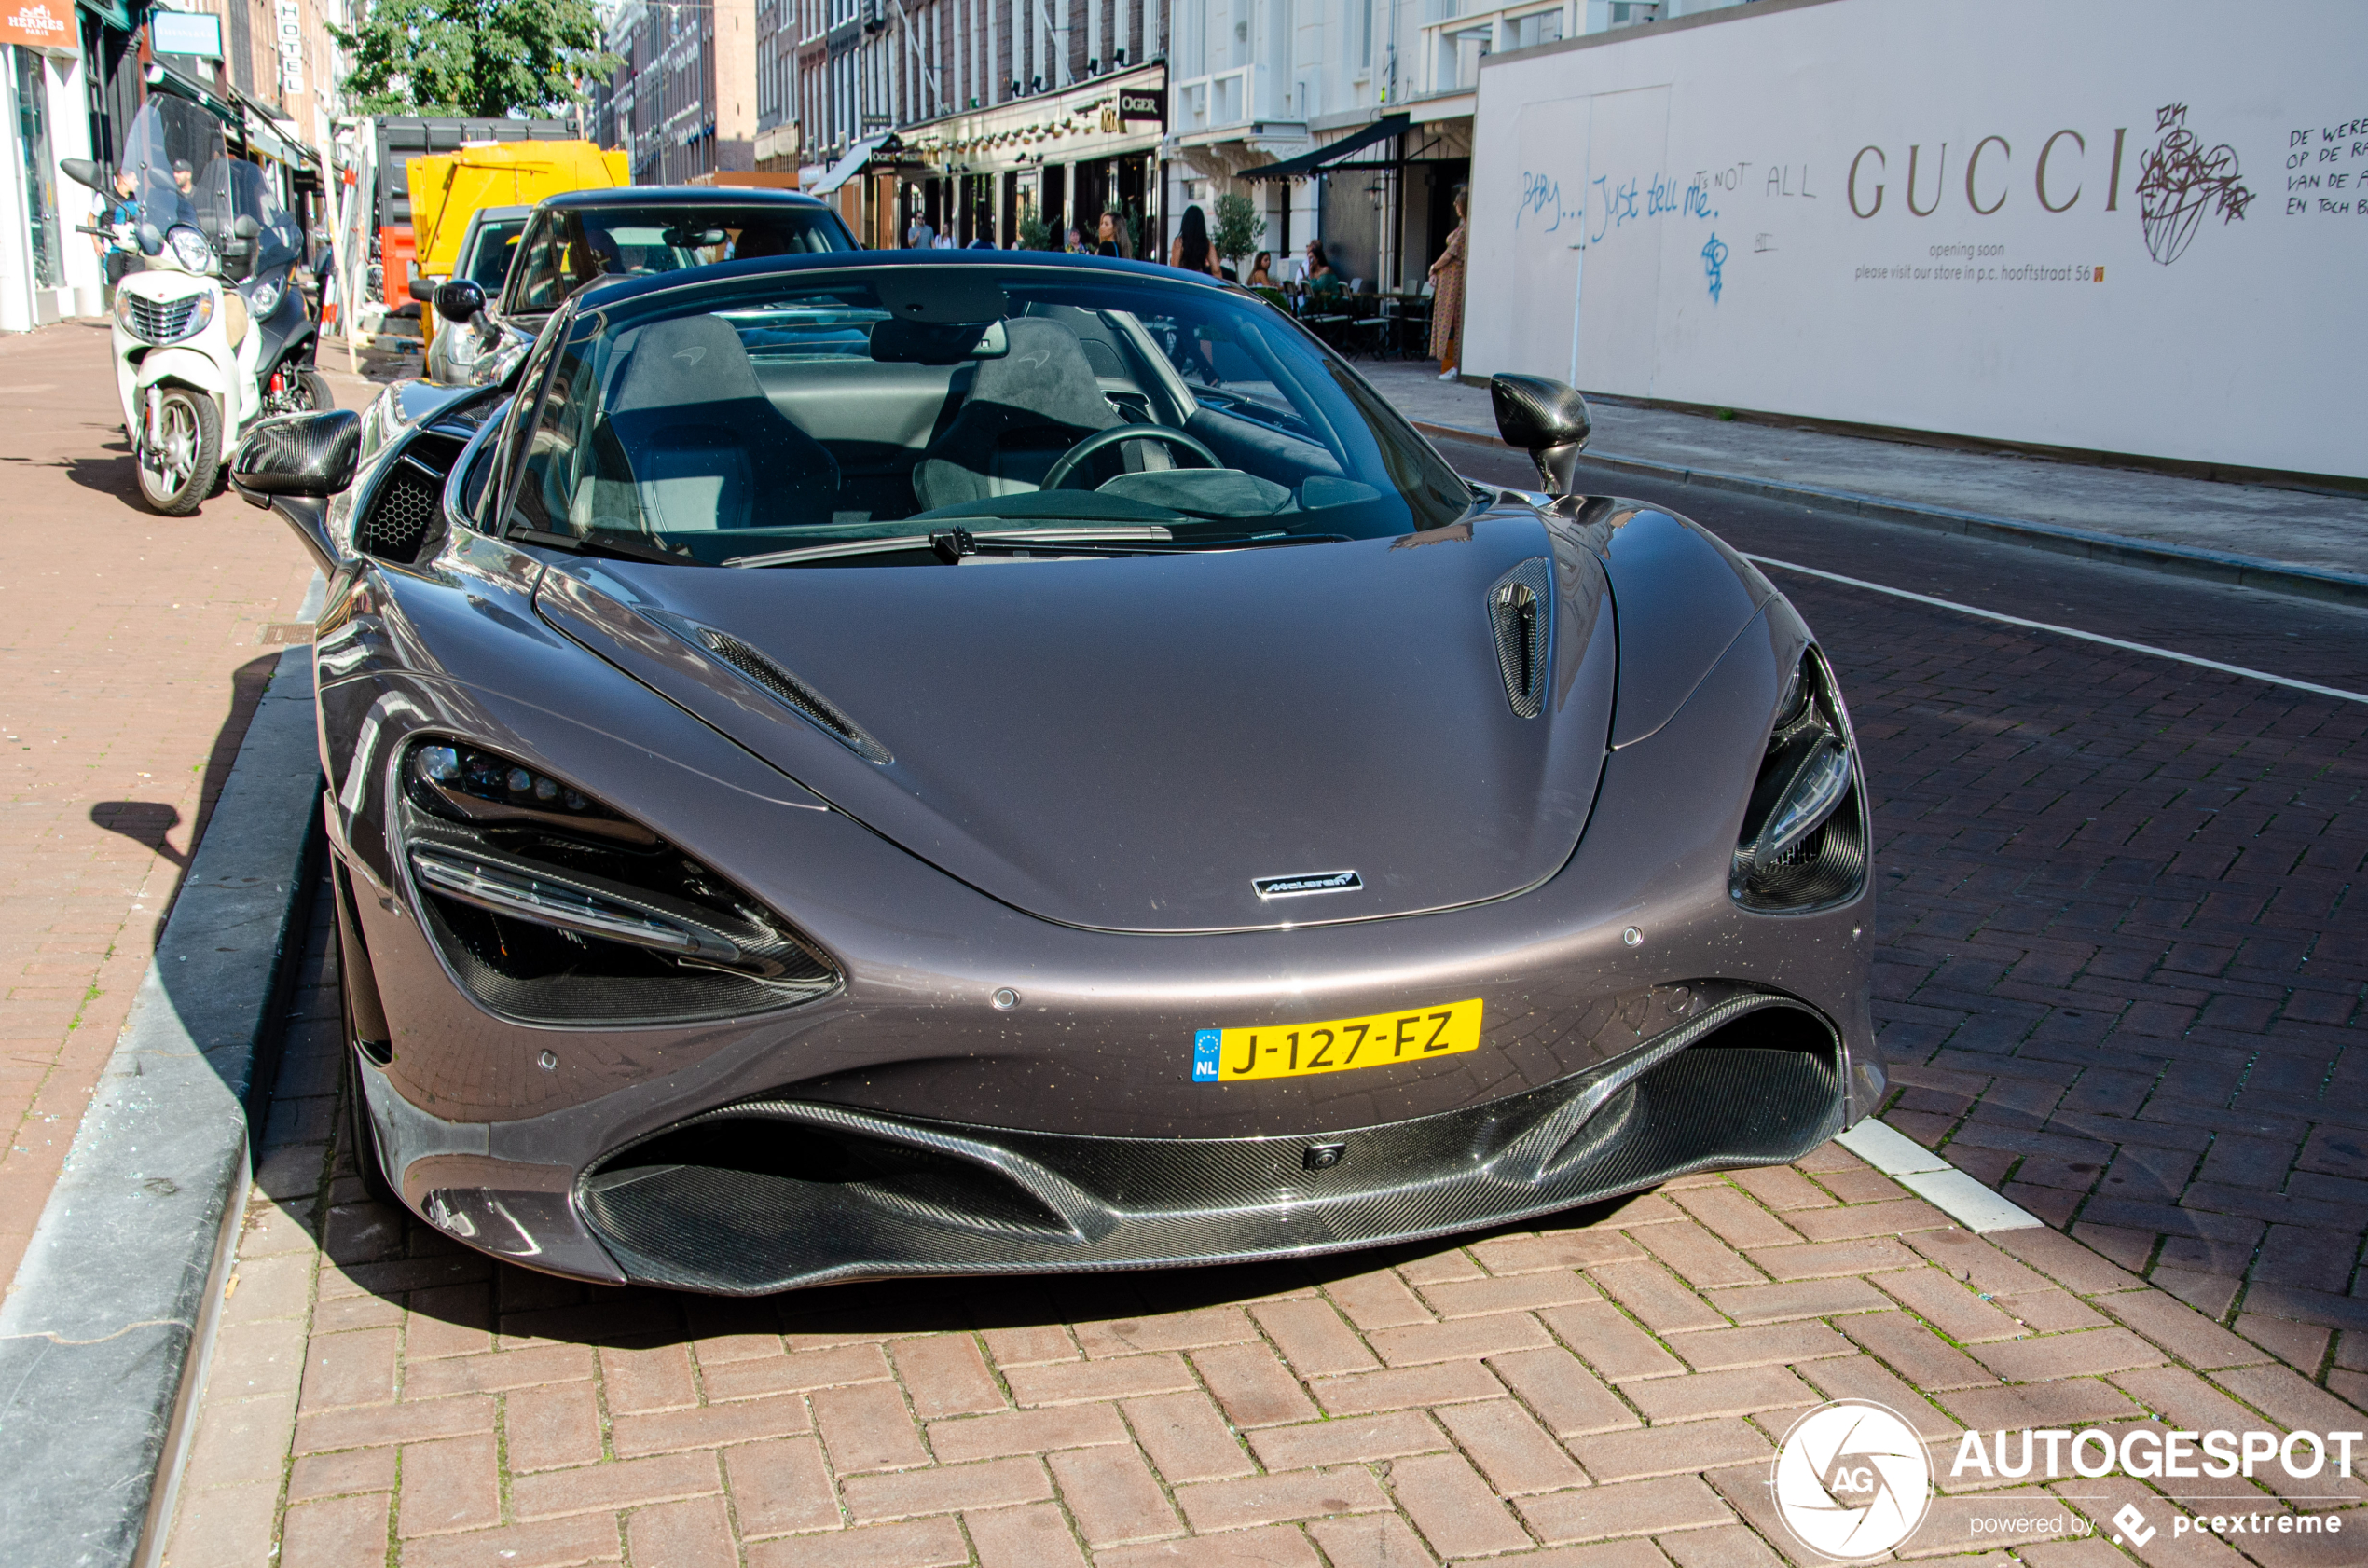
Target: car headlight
(551, 908)
(1804, 840)
(189, 248)
(263, 295)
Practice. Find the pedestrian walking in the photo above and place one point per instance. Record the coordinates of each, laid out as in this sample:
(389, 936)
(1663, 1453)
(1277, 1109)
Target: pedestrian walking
(1447, 296)
(920, 237)
(1110, 238)
(1191, 250)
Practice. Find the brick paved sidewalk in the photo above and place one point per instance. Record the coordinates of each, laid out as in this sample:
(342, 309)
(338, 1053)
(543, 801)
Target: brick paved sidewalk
(133, 648)
(1602, 1396)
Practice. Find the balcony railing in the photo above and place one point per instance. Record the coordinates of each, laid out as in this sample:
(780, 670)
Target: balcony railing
(1228, 98)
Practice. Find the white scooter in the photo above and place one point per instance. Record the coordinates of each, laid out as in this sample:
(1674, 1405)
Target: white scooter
(211, 334)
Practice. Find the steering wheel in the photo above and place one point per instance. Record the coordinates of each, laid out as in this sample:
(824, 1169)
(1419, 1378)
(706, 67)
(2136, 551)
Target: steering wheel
(1071, 460)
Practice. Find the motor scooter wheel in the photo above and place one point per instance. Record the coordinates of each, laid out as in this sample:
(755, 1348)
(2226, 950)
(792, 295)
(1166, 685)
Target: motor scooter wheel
(315, 387)
(178, 473)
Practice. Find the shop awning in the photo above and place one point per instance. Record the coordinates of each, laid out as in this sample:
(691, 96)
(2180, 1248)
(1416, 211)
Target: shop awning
(852, 164)
(1331, 153)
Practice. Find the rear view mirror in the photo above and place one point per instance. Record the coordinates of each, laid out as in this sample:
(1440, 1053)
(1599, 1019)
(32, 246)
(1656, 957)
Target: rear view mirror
(299, 455)
(1548, 419)
(423, 290)
(457, 299)
(245, 227)
(84, 172)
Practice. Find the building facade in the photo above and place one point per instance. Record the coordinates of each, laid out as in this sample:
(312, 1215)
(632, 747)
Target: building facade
(683, 103)
(1258, 82)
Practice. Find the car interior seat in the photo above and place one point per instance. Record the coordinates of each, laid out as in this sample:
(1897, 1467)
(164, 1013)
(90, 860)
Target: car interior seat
(701, 445)
(1026, 408)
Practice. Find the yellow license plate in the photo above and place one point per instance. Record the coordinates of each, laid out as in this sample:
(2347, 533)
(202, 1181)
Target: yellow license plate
(1336, 1045)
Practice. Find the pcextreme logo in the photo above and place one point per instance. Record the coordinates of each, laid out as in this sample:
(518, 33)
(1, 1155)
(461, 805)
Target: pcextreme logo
(1851, 1481)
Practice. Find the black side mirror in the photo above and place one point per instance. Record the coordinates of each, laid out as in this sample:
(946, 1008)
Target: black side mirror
(1546, 418)
(84, 172)
(423, 290)
(456, 299)
(299, 455)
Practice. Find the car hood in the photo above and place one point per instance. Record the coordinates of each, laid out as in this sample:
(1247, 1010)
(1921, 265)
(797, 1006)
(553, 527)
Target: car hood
(1133, 743)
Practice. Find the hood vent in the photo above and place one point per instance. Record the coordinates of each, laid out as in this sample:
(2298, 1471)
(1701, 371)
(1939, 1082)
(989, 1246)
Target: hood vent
(791, 690)
(1520, 610)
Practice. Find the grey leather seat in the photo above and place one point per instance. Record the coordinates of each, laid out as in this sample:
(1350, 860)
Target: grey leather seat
(701, 445)
(1024, 410)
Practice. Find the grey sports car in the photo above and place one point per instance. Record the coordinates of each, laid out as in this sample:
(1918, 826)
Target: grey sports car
(926, 763)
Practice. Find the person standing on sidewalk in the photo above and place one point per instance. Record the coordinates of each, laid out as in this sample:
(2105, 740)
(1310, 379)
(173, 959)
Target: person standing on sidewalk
(1447, 296)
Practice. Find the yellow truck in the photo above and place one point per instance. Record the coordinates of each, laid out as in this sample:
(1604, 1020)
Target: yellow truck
(449, 188)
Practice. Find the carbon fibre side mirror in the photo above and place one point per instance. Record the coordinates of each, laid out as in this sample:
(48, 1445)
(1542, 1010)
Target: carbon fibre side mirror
(1546, 418)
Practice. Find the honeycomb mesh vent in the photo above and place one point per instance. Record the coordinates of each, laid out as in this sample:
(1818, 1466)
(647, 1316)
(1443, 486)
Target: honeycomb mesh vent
(794, 692)
(399, 520)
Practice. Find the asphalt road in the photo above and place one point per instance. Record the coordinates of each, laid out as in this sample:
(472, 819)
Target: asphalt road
(2324, 643)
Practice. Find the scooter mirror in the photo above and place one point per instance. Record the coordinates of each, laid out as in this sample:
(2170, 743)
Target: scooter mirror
(151, 238)
(299, 455)
(83, 172)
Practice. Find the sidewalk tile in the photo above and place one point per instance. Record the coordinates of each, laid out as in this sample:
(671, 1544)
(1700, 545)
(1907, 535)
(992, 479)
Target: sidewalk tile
(1014, 1431)
(559, 1542)
(1647, 1507)
(1614, 1346)
(1445, 1383)
(552, 1428)
(2088, 1354)
(1234, 1505)
(1312, 1337)
(1358, 1440)
(781, 1486)
(1668, 1451)
(450, 1484)
(696, 1533)
(337, 1533)
(622, 1483)
(1512, 1450)
(1031, 1536)
(1111, 1494)
(742, 1421)
(1250, 1384)
(946, 1375)
(1074, 1383)
(926, 1543)
(1744, 1391)
(1380, 1540)
(1564, 1393)
(1453, 1507)
(1664, 1304)
(948, 1488)
(1276, 1546)
(1186, 1437)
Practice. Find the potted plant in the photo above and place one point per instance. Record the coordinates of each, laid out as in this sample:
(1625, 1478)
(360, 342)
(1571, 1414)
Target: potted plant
(1237, 230)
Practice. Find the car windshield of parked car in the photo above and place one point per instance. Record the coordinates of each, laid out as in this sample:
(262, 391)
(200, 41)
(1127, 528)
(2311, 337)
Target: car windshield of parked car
(823, 416)
(496, 242)
(572, 247)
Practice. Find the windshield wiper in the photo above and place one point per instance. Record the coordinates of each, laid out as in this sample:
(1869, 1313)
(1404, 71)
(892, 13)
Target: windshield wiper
(589, 546)
(949, 544)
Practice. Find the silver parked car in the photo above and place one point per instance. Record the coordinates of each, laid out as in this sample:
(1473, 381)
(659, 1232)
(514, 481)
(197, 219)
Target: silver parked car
(487, 246)
(891, 764)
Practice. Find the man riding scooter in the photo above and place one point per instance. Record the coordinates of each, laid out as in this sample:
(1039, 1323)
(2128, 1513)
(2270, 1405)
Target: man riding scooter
(210, 334)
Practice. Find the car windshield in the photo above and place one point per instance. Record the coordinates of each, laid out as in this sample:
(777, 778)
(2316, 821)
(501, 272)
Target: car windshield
(832, 413)
(576, 246)
(497, 239)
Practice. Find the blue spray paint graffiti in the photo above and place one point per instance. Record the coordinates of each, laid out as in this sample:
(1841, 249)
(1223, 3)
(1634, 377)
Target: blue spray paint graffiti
(1713, 257)
(1541, 208)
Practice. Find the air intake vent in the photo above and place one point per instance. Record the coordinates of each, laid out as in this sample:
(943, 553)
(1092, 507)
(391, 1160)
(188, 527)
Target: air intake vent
(402, 514)
(812, 704)
(1520, 608)
(163, 321)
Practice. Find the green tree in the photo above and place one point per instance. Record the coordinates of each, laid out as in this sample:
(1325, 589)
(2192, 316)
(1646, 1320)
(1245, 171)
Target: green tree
(1239, 226)
(488, 58)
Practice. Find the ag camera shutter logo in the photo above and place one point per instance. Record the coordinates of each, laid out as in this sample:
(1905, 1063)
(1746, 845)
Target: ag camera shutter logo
(1851, 1480)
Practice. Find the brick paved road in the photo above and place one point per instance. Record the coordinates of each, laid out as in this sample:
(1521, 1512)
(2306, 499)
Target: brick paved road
(2126, 930)
(1603, 1393)
(131, 649)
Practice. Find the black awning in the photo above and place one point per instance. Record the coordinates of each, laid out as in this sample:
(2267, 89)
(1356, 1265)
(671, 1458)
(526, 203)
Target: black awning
(1332, 152)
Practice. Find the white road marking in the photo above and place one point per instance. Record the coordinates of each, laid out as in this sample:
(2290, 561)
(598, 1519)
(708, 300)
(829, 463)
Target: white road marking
(1934, 1180)
(2067, 631)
